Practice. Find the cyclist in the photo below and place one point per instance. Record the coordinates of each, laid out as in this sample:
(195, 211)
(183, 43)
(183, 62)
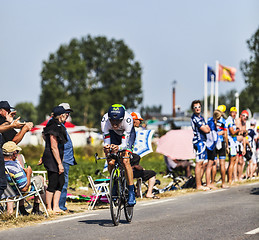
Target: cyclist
(119, 135)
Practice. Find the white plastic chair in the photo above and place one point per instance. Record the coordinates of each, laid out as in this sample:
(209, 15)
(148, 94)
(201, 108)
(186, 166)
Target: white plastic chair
(99, 189)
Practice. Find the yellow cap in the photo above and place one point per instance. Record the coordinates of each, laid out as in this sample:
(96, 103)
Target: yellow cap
(233, 109)
(222, 108)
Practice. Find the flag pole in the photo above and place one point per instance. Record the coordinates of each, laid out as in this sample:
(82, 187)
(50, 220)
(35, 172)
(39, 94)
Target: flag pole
(217, 86)
(212, 94)
(205, 92)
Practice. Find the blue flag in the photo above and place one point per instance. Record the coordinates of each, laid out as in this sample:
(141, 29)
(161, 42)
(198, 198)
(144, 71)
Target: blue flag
(211, 74)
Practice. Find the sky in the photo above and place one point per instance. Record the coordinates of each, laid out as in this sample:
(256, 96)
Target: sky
(171, 39)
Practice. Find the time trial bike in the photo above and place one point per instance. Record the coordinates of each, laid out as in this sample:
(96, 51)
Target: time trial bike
(118, 189)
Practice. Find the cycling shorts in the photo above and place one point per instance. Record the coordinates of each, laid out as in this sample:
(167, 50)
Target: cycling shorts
(201, 151)
(222, 151)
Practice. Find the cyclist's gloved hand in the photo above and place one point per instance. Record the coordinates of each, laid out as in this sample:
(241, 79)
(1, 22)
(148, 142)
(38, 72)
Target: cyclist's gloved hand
(106, 149)
(114, 148)
(129, 154)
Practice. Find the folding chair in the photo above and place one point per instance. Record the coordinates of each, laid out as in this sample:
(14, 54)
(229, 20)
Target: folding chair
(9, 196)
(23, 163)
(99, 189)
(139, 187)
(24, 195)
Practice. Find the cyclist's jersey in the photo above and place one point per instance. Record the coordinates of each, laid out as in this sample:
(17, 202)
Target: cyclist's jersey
(251, 137)
(197, 123)
(221, 126)
(230, 122)
(124, 136)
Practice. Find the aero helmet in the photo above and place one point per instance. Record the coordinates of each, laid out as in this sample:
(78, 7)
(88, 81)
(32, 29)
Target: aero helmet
(116, 112)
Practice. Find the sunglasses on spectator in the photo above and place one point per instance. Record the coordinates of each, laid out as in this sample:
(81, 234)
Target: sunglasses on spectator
(196, 107)
(246, 117)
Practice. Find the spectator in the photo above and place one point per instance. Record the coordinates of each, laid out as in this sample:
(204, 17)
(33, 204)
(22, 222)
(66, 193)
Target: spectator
(212, 138)
(7, 132)
(200, 129)
(257, 150)
(173, 164)
(221, 147)
(7, 116)
(139, 171)
(68, 160)
(55, 137)
(252, 138)
(241, 124)
(22, 176)
(232, 138)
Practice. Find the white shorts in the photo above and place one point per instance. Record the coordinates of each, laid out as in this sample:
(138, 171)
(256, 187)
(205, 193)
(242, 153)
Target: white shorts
(232, 148)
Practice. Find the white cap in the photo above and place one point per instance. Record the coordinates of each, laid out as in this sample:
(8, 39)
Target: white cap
(253, 121)
(66, 106)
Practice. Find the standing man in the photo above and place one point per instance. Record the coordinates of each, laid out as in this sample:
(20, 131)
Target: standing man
(241, 124)
(5, 127)
(200, 129)
(7, 117)
(7, 133)
(68, 160)
(252, 138)
(232, 138)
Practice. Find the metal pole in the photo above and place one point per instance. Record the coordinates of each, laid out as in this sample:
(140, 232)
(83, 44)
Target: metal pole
(205, 92)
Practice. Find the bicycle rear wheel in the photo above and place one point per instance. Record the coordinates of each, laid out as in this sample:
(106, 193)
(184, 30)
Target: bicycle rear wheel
(115, 197)
(128, 210)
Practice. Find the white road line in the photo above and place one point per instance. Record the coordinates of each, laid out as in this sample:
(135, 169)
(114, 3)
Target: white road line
(68, 219)
(215, 191)
(157, 202)
(250, 184)
(253, 231)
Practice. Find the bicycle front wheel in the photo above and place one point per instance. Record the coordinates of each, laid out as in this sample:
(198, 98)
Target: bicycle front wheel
(115, 197)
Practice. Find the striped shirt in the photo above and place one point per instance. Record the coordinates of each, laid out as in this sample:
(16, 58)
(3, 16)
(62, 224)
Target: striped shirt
(197, 123)
(17, 173)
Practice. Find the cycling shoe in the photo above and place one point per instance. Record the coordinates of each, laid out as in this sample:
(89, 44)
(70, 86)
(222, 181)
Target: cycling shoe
(131, 200)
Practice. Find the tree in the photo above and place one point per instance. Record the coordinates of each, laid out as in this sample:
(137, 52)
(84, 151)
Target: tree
(26, 111)
(90, 74)
(151, 111)
(249, 97)
(228, 99)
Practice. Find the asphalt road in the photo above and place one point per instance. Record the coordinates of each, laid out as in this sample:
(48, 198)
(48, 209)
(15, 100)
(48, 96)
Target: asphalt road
(222, 214)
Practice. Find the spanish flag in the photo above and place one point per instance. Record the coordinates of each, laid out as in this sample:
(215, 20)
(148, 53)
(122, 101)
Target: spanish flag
(227, 74)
